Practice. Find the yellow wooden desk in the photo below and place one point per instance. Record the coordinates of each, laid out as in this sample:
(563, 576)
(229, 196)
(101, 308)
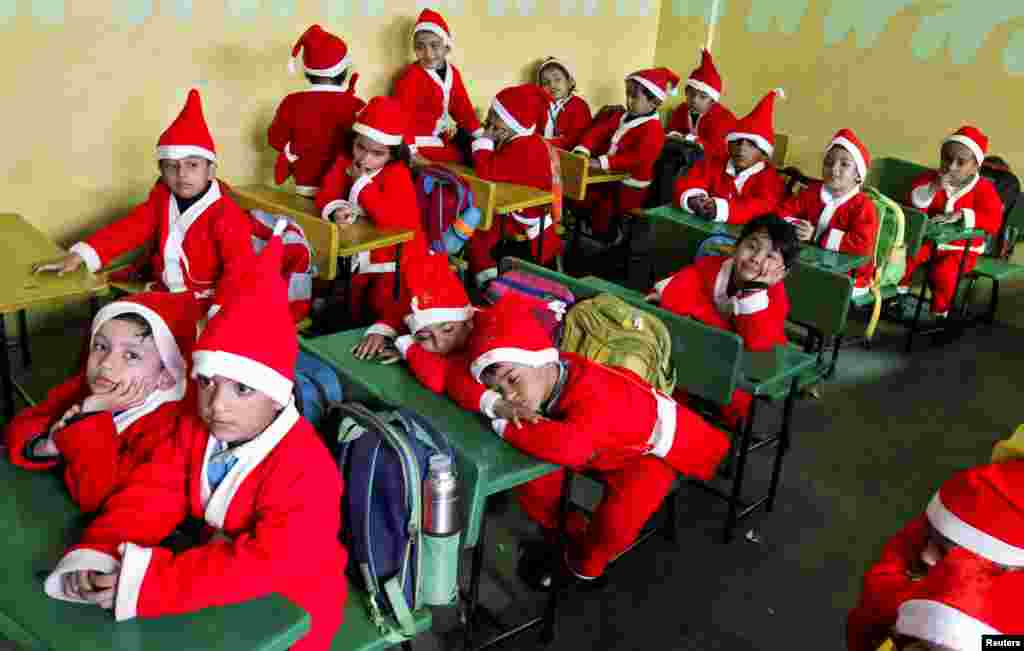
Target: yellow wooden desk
(493, 198)
(576, 175)
(22, 246)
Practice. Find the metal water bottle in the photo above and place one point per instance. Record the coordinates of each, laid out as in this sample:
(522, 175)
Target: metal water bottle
(441, 532)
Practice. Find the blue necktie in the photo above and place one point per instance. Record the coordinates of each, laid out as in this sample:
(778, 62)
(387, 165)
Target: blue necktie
(220, 465)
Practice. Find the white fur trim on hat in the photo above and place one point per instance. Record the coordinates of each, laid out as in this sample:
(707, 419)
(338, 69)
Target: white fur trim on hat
(377, 135)
(419, 319)
(649, 85)
(177, 152)
(970, 144)
(435, 29)
(701, 86)
(966, 535)
(510, 119)
(761, 142)
(939, 623)
(534, 358)
(245, 370)
(166, 345)
(333, 71)
(853, 150)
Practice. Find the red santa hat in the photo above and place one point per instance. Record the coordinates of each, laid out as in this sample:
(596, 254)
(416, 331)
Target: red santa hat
(437, 294)
(521, 107)
(508, 333)
(323, 53)
(973, 139)
(982, 509)
(849, 141)
(251, 339)
(659, 81)
(705, 77)
(382, 120)
(188, 135)
(758, 126)
(431, 21)
(961, 599)
(555, 61)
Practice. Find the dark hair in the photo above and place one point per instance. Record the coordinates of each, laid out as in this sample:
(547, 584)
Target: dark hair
(137, 320)
(337, 80)
(781, 232)
(400, 153)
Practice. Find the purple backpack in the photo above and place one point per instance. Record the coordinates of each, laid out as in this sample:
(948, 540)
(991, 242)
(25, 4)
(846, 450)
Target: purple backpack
(550, 298)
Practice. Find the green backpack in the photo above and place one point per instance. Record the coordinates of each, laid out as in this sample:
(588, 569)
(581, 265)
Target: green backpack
(890, 250)
(612, 332)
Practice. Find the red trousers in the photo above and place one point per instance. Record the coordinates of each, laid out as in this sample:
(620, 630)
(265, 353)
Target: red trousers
(479, 251)
(608, 201)
(942, 275)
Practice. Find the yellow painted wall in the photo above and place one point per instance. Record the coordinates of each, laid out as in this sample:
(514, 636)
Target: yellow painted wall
(901, 73)
(92, 83)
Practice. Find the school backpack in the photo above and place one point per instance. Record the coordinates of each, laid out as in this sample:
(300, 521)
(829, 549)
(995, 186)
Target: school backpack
(996, 170)
(549, 299)
(317, 389)
(608, 330)
(383, 458)
(890, 255)
(297, 266)
(446, 205)
(676, 159)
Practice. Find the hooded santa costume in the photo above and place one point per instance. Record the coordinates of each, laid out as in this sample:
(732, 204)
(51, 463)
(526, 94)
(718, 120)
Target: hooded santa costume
(739, 196)
(981, 207)
(310, 126)
(708, 130)
(626, 143)
(435, 100)
(585, 428)
(101, 449)
(197, 240)
(269, 504)
(566, 119)
(387, 198)
(847, 223)
(523, 159)
(980, 510)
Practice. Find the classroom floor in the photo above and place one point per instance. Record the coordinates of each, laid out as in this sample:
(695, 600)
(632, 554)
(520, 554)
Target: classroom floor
(867, 456)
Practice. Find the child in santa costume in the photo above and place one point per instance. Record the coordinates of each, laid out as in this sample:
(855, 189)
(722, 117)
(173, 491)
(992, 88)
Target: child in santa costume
(433, 95)
(310, 126)
(980, 510)
(954, 194)
(512, 151)
(742, 293)
(834, 213)
(372, 181)
(247, 464)
(591, 418)
(199, 230)
(107, 419)
(627, 141)
(703, 120)
(743, 185)
(568, 115)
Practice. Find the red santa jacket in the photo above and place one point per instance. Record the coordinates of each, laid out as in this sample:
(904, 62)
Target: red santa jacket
(448, 374)
(388, 199)
(309, 129)
(739, 197)
(429, 100)
(979, 201)
(565, 121)
(523, 160)
(193, 250)
(97, 457)
(709, 131)
(625, 144)
(848, 224)
(700, 290)
(271, 526)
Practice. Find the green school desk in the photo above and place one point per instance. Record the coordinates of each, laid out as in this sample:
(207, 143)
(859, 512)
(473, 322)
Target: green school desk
(39, 522)
(22, 246)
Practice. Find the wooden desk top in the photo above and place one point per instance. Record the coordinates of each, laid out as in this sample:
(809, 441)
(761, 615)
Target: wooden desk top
(364, 236)
(22, 245)
(605, 177)
(508, 197)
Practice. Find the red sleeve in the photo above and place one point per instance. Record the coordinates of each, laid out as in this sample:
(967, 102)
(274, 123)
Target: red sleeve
(390, 202)
(886, 585)
(763, 197)
(764, 327)
(405, 93)
(988, 208)
(678, 122)
(429, 368)
(280, 132)
(33, 421)
(860, 234)
(596, 138)
(678, 293)
(795, 206)
(713, 139)
(332, 185)
(638, 156)
(460, 107)
(232, 234)
(567, 441)
(698, 177)
(525, 163)
(132, 232)
(463, 387)
(575, 122)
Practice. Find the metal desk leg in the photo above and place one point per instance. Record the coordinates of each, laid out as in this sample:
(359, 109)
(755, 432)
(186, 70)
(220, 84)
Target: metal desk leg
(741, 464)
(26, 354)
(547, 634)
(5, 370)
(540, 242)
(954, 321)
(398, 271)
(783, 445)
(920, 304)
(474, 585)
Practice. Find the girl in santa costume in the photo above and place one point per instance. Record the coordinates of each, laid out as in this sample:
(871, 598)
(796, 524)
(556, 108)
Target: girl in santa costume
(568, 115)
(742, 293)
(580, 406)
(512, 151)
(433, 95)
(954, 194)
(244, 462)
(703, 119)
(107, 419)
(627, 141)
(310, 126)
(200, 231)
(980, 510)
(743, 185)
(834, 213)
(372, 181)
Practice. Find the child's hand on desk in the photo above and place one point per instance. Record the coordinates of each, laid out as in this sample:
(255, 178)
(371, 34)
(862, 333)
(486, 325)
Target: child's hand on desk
(95, 587)
(516, 412)
(67, 264)
(370, 346)
(121, 397)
